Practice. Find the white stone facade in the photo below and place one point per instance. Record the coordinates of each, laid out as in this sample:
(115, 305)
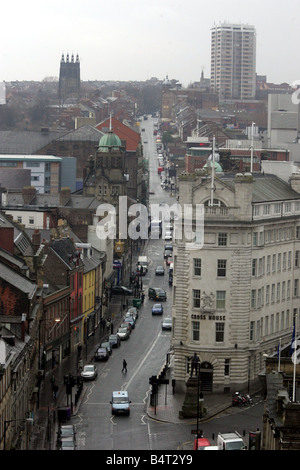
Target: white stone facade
(235, 298)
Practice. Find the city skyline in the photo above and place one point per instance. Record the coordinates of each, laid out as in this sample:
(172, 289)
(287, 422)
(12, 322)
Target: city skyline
(135, 41)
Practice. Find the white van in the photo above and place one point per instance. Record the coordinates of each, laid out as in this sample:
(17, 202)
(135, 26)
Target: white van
(120, 403)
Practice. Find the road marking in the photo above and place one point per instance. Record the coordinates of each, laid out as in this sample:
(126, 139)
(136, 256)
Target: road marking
(142, 362)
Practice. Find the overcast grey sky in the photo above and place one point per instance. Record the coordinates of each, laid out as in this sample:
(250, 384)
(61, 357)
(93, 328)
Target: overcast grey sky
(140, 39)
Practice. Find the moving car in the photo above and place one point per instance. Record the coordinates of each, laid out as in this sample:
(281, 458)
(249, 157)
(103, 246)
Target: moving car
(157, 309)
(160, 271)
(166, 324)
(89, 372)
(123, 334)
(114, 341)
(157, 293)
(121, 290)
(101, 354)
(120, 403)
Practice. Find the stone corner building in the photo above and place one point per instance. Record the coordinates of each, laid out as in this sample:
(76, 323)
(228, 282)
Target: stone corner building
(238, 295)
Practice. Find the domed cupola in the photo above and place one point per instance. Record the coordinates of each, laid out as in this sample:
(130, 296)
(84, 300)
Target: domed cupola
(109, 142)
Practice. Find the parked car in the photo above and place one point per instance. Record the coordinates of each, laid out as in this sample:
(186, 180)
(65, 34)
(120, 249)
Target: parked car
(127, 325)
(160, 271)
(169, 260)
(130, 319)
(121, 290)
(107, 345)
(133, 310)
(157, 309)
(66, 430)
(168, 235)
(157, 293)
(101, 354)
(114, 341)
(166, 324)
(168, 246)
(123, 333)
(67, 443)
(168, 254)
(89, 372)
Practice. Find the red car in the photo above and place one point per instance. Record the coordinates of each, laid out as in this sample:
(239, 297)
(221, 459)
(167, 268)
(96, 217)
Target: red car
(201, 443)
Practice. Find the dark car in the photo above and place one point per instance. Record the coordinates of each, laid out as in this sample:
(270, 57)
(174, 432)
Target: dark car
(107, 345)
(157, 293)
(121, 290)
(101, 354)
(169, 246)
(160, 271)
(114, 341)
(168, 254)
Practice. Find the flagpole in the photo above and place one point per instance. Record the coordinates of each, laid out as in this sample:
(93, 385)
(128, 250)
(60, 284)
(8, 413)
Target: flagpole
(279, 350)
(295, 360)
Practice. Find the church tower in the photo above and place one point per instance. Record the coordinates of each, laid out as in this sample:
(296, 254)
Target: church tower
(69, 78)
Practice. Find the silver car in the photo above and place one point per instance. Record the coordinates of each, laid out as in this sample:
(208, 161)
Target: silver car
(89, 372)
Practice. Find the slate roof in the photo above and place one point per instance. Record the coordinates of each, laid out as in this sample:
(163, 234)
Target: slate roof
(266, 188)
(83, 133)
(16, 279)
(66, 250)
(26, 142)
(271, 188)
(14, 178)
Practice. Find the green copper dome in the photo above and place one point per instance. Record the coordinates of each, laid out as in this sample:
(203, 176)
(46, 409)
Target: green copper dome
(218, 167)
(109, 141)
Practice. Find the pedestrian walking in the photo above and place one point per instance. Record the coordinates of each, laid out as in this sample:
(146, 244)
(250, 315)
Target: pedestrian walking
(55, 391)
(124, 366)
(108, 325)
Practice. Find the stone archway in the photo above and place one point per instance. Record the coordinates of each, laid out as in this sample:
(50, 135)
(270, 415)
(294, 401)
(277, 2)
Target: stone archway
(206, 376)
